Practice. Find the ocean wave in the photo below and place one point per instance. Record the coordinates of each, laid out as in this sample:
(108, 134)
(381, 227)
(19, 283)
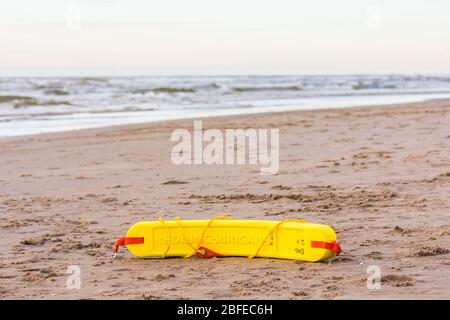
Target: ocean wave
(166, 90)
(26, 101)
(92, 80)
(179, 89)
(56, 92)
(275, 88)
(55, 103)
(360, 85)
(208, 86)
(172, 90)
(18, 101)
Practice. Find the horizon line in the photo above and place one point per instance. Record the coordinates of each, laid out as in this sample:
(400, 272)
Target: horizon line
(89, 75)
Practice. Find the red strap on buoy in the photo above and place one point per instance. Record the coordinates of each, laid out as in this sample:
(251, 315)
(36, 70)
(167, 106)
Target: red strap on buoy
(203, 252)
(333, 246)
(124, 242)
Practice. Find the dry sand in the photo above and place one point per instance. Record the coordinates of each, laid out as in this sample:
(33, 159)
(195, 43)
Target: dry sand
(380, 176)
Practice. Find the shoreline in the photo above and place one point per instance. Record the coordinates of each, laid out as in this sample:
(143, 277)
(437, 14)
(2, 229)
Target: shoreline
(378, 175)
(224, 117)
(133, 117)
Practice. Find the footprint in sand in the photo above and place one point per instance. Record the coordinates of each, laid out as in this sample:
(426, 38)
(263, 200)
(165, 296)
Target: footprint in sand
(36, 241)
(172, 182)
(281, 187)
(427, 251)
(161, 277)
(397, 280)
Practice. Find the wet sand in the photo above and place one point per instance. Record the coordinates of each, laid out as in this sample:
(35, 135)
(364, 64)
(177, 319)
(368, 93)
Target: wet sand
(380, 176)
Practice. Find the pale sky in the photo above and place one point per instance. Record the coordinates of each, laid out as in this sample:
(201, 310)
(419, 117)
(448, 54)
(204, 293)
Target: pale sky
(207, 37)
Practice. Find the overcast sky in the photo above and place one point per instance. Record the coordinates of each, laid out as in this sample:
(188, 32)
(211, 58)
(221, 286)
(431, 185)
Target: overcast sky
(158, 37)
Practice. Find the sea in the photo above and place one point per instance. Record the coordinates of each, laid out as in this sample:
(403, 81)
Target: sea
(33, 105)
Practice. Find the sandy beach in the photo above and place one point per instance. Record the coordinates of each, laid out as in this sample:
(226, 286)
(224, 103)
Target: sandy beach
(380, 176)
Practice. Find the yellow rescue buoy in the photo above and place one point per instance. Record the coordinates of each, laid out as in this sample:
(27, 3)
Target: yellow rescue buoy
(222, 236)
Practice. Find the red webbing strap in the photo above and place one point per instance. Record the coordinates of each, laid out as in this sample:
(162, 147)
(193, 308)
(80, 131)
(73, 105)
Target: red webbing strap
(204, 252)
(333, 246)
(126, 241)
